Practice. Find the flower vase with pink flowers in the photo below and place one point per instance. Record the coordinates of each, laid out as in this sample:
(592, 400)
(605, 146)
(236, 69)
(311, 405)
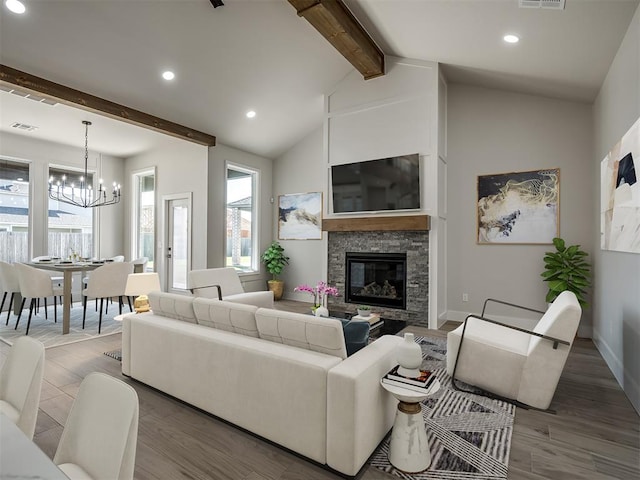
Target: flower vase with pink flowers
(320, 293)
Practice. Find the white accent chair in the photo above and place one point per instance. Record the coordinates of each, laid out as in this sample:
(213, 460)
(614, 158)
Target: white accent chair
(10, 284)
(21, 384)
(106, 282)
(35, 284)
(140, 264)
(512, 362)
(224, 284)
(100, 435)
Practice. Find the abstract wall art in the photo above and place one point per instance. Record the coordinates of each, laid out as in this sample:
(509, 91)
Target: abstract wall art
(620, 194)
(300, 216)
(518, 207)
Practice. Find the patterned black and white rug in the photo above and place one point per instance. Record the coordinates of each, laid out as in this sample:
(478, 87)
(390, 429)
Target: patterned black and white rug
(469, 435)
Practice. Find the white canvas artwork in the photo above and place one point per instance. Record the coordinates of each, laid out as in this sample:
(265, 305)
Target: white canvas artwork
(518, 207)
(300, 216)
(620, 194)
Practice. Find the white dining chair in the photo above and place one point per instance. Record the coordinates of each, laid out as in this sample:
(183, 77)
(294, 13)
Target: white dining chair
(57, 280)
(21, 383)
(106, 282)
(100, 436)
(10, 285)
(35, 284)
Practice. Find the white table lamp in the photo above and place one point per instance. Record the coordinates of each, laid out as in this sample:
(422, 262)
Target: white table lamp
(139, 285)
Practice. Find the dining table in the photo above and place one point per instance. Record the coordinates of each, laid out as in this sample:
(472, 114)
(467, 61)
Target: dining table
(20, 457)
(67, 269)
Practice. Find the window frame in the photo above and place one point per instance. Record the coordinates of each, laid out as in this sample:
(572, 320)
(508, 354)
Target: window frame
(135, 212)
(256, 266)
(95, 212)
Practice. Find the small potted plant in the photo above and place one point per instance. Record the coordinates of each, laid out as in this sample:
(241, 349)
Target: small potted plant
(566, 269)
(364, 310)
(275, 260)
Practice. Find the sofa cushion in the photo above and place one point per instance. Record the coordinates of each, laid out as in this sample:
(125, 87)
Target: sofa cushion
(228, 316)
(322, 335)
(172, 305)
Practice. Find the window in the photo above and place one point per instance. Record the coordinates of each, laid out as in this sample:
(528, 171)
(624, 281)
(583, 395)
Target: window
(70, 228)
(14, 211)
(241, 244)
(144, 216)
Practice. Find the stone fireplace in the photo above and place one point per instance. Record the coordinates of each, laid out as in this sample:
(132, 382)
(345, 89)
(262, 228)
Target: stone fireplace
(378, 256)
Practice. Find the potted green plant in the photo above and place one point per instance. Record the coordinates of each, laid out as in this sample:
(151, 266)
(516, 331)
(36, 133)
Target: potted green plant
(364, 310)
(567, 269)
(275, 260)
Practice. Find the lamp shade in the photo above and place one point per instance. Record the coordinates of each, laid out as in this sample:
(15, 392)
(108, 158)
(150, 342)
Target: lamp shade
(142, 283)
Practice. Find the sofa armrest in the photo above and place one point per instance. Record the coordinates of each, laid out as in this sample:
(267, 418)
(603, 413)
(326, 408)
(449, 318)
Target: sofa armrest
(359, 411)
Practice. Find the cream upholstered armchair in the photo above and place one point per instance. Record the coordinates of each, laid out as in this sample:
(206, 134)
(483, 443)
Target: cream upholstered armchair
(224, 284)
(512, 362)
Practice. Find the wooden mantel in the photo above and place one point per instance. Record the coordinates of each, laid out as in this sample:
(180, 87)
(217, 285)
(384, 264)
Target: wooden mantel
(407, 223)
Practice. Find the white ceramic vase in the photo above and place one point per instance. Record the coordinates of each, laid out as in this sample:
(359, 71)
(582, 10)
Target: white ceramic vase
(409, 356)
(322, 311)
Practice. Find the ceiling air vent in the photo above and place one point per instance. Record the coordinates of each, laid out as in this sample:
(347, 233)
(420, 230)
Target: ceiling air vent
(552, 4)
(24, 127)
(26, 94)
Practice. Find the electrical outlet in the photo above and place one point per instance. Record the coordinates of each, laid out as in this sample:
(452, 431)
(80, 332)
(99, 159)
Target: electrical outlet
(465, 297)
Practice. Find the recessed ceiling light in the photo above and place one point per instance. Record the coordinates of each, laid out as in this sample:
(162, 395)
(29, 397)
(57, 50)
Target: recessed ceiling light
(15, 6)
(168, 75)
(511, 38)
(251, 114)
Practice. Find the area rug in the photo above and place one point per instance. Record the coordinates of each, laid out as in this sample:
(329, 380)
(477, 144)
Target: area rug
(469, 435)
(50, 333)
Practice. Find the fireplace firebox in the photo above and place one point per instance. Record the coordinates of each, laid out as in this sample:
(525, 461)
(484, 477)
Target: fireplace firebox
(376, 279)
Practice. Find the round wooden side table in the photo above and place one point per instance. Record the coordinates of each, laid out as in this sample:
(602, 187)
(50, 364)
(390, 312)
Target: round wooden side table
(409, 449)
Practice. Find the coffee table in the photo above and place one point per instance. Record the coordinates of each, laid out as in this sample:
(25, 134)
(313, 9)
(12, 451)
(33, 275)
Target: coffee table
(408, 448)
(385, 326)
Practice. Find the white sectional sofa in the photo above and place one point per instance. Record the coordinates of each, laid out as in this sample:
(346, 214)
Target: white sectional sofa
(281, 375)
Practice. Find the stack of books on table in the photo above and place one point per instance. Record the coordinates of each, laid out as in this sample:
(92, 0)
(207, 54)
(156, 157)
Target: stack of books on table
(372, 319)
(420, 384)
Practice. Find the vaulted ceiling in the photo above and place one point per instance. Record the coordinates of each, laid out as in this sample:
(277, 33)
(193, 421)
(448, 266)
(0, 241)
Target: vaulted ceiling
(259, 55)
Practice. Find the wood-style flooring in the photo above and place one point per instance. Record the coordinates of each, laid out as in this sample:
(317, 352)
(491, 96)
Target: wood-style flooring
(595, 434)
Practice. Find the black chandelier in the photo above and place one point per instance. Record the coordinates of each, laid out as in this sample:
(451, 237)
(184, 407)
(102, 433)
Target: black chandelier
(82, 194)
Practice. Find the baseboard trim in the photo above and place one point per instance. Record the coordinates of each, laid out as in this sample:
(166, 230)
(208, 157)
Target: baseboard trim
(626, 381)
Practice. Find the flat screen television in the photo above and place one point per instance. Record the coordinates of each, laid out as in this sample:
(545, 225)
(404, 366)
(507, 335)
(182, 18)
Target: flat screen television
(377, 185)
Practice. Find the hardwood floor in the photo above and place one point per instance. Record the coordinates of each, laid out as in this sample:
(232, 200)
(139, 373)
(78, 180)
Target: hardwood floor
(594, 435)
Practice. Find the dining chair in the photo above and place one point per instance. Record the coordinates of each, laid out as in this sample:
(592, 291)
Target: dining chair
(10, 284)
(100, 436)
(55, 279)
(35, 284)
(21, 383)
(106, 282)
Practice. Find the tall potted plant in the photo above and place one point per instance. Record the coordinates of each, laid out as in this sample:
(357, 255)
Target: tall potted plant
(567, 269)
(275, 260)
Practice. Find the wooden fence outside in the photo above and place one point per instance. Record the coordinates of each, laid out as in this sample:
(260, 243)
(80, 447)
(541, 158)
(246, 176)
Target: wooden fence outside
(14, 246)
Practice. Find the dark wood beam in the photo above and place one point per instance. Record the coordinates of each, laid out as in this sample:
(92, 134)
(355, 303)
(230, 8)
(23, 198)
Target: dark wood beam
(76, 98)
(408, 223)
(337, 24)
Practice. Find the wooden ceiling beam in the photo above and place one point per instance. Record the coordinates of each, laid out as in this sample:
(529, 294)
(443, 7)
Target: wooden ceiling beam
(91, 103)
(337, 24)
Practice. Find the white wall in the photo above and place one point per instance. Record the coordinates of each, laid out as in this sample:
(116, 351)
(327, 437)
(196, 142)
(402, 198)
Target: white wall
(218, 157)
(493, 131)
(616, 325)
(41, 154)
(301, 170)
(181, 167)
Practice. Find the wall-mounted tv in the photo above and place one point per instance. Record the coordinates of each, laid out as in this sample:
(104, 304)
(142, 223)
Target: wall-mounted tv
(377, 185)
